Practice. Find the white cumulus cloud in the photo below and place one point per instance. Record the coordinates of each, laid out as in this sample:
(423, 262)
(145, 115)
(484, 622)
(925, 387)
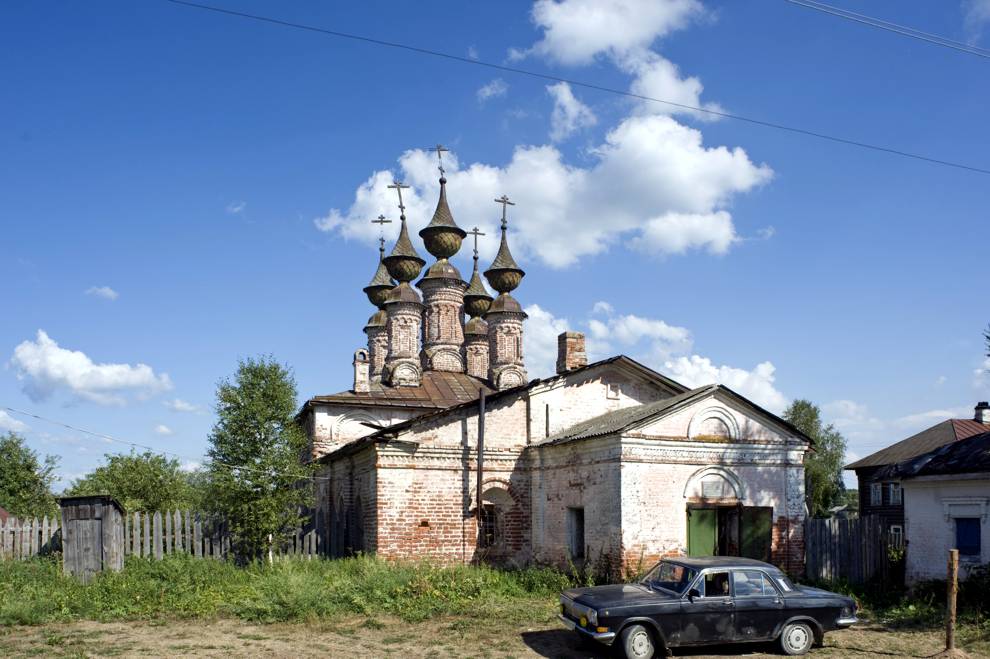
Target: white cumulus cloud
(976, 15)
(105, 292)
(756, 384)
(9, 423)
(162, 429)
(44, 367)
(540, 341)
(569, 114)
(493, 89)
(179, 405)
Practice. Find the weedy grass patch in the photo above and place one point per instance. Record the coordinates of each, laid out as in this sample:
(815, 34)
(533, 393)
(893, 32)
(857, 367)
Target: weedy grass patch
(35, 591)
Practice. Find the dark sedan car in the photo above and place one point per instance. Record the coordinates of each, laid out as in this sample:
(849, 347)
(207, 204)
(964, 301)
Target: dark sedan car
(705, 601)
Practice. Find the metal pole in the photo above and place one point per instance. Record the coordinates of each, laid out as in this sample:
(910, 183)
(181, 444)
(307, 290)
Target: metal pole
(481, 453)
(952, 587)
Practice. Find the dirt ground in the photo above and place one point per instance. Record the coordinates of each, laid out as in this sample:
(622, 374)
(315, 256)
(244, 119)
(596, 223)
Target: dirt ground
(451, 637)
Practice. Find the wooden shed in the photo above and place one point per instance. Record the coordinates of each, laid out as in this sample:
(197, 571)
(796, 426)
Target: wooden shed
(92, 535)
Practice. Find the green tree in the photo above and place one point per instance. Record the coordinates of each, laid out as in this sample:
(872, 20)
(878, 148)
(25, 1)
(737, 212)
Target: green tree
(823, 465)
(25, 480)
(257, 476)
(146, 482)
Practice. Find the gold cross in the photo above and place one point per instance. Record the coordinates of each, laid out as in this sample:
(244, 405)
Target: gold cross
(399, 187)
(505, 203)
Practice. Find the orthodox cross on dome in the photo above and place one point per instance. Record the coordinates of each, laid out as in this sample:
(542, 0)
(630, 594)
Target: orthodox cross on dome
(399, 187)
(381, 221)
(440, 149)
(505, 204)
(474, 232)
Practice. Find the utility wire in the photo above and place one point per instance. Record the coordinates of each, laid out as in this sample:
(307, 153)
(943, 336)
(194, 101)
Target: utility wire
(152, 448)
(892, 27)
(578, 83)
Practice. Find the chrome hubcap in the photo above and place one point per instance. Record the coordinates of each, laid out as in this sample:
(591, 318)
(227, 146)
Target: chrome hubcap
(641, 644)
(797, 638)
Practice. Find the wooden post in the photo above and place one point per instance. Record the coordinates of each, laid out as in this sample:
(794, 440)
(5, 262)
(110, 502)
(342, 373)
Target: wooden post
(157, 539)
(952, 588)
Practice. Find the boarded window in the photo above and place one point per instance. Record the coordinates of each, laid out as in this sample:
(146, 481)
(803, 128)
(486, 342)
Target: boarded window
(575, 533)
(968, 536)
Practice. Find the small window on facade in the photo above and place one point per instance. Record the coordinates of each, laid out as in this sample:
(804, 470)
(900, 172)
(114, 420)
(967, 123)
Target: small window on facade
(968, 536)
(897, 536)
(612, 390)
(895, 494)
(876, 494)
(575, 533)
(488, 533)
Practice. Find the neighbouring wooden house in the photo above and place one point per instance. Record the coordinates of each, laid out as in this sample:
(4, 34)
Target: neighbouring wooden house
(610, 462)
(880, 491)
(947, 506)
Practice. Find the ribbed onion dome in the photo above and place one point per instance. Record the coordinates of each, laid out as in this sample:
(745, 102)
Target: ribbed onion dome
(404, 263)
(442, 236)
(380, 284)
(504, 275)
(476, 298)
(378, 319)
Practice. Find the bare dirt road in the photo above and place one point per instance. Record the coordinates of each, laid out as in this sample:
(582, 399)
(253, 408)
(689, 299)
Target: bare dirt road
(457, 637)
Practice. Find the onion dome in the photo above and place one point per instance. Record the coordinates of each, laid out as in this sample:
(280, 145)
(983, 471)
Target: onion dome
(476, 326)
(403, 293)
(505, 303)
(504, 275)
(404, 263)
(381, 283)
(442, 269)
(476, 298)
(442, 236)
(378, 319)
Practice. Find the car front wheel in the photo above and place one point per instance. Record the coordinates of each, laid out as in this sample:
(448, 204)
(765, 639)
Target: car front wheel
(796, 638)
(637, 642)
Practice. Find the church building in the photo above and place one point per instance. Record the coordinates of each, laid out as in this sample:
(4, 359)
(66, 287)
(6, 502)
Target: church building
(447, 449)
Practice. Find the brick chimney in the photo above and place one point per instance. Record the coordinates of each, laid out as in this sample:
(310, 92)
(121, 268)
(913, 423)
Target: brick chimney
(362, 376)
(982, 412)
(570, 352)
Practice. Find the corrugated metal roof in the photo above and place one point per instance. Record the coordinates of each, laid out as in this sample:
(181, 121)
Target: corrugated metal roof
(967, 456)
(940, 434)
(438, 390)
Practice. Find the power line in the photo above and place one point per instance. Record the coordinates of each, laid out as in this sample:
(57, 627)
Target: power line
(232, 467)
(892, 27)
(578, 83)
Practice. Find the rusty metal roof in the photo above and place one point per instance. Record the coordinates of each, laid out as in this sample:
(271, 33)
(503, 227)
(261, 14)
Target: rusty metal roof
(967, 456)
(438, 390)
(945, 432)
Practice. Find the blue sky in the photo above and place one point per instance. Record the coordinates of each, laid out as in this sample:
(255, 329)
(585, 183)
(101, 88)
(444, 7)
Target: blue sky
(181, 189)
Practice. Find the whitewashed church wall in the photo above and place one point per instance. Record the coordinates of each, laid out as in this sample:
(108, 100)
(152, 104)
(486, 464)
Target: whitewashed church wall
(711, 416)
(505, 427)
(333, 426)
(582, 396)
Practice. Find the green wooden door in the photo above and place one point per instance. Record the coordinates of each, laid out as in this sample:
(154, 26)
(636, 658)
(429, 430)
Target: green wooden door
(701, 531)
(756, 529)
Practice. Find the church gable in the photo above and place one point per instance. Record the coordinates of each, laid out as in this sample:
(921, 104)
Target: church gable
(720, 416)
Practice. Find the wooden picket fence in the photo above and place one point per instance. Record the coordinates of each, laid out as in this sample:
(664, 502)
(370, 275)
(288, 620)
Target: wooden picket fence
(29, 537)
(152, 535)
(853, 549)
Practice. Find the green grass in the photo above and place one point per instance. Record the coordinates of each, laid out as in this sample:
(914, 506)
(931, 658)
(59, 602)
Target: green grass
(36, 591)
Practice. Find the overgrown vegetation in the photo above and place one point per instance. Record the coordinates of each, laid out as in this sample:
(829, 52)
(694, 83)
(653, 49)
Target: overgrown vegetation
(25, 479)
(822, 466)
(36, 591)
(146, 482)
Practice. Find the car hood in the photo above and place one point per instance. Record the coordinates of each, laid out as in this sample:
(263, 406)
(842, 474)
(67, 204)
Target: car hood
(808, 591)
(616, 595)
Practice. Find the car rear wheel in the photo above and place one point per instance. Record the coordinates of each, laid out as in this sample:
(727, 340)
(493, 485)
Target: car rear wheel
(796, 638)
(637, 642)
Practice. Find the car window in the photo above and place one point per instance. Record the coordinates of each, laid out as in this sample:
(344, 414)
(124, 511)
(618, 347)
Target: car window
(670, 576)
(751, 583)
(715, 584)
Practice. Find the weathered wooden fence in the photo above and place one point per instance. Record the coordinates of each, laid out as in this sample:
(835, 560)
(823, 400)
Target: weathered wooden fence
(856, 549)
(151, 535)
(23, 538)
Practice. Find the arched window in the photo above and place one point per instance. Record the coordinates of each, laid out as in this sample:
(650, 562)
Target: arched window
(495, 505)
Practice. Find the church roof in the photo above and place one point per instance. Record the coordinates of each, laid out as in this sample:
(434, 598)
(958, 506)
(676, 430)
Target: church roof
(439, 390)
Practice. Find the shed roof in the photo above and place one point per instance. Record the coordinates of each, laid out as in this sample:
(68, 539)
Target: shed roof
(966, 456)
(942, 433)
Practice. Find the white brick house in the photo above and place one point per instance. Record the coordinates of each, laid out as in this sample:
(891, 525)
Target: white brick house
(608, 464)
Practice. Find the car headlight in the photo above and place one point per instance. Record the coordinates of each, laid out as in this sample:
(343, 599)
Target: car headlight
(846, 612)
(592, 617)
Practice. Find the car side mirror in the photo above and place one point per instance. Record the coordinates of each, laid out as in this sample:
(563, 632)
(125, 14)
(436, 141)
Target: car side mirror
(692, 594)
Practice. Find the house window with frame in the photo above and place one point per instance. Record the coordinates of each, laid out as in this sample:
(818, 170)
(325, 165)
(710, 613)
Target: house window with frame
(895, 491)
(876, 494)
(896, 536)
(968, 536)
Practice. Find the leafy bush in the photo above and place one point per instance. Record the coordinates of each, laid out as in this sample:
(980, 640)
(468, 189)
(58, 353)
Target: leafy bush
(36, 591)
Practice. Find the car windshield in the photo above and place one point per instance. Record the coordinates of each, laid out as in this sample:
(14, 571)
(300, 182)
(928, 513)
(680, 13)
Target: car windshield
(670, 576)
